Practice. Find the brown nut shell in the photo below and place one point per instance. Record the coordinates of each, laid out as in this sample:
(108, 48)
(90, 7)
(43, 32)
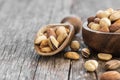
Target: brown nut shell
(110, 75)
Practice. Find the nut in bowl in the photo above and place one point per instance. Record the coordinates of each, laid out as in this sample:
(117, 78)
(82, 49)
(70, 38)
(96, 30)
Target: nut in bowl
(105, 37)
(50, 39)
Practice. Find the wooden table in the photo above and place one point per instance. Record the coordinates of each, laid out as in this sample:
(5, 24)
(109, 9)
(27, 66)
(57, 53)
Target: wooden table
(19, 22)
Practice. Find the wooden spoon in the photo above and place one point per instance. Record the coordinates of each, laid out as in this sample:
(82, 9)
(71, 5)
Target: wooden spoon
(66, 22)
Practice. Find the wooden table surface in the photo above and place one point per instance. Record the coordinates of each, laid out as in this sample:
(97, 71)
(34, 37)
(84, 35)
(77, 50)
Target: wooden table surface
(19, 22)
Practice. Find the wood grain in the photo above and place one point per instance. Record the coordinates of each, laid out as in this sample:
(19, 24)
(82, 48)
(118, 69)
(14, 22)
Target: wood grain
(19, 22)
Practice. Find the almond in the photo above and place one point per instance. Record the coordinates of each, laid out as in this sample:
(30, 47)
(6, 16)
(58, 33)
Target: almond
(110, 75)
(46, 49)
(39, 39)
(115, 26)
(72, 55)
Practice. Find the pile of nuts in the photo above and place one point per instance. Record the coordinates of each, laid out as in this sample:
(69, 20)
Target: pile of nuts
(105, 21)
(51, 39)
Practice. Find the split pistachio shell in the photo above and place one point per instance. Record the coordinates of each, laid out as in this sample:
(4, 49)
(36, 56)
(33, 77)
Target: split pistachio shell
(85, 52)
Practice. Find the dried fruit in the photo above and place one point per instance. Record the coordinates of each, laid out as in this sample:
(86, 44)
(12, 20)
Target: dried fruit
(85, 52)
(53, 43)
(105, 22)
(91, 65)
(39, 39)
(110, 75)
(72, 55)
(46, 49)
(112, 64)
(115, 26)
(104, 56)
(114, 16)
(75, 45)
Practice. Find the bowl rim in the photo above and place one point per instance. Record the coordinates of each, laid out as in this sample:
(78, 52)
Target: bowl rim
(99, 32)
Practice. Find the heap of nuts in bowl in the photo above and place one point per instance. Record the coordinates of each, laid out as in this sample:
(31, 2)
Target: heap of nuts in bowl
(51, 38)
(105, 21)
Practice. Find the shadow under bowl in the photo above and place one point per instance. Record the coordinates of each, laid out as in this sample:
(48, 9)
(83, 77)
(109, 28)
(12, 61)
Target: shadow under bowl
(101, 41)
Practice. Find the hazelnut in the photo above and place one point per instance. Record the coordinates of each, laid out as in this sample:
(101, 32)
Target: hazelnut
(112, 64)
(91, 19)
(75, 45)
(97, 20)
(110, 75)
(104, 56)
(105, 22)
(91, 65)
(72, 55)
(85, 52)
(75, 21)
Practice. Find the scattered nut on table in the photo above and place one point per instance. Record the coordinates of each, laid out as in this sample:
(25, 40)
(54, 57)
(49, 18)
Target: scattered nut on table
(110, 75)
(75, 45)
(105, 21)
(104, 56)
(91, 65)
(72, 55)
(85, 52)
(112, 64)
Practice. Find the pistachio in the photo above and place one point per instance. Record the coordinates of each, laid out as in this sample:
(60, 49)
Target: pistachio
(104, 56)
(46, 49)
(85, 52)
(112, 64)
(72, 55)
(53, 43)
(110, 75)
(39, 39)
(75, 45)
(91, 65)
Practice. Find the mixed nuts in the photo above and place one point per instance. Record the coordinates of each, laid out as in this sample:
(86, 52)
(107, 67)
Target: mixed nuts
(105, 21)
(51, 38)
